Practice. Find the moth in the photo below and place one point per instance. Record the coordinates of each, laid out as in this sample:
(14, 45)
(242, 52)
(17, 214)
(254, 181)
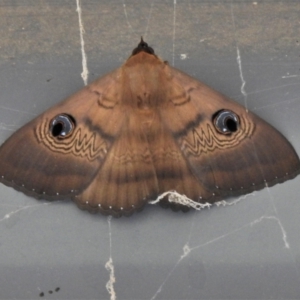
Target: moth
(144, 129)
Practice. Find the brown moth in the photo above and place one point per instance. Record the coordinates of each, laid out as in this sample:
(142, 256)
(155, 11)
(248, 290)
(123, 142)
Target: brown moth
(144, 129)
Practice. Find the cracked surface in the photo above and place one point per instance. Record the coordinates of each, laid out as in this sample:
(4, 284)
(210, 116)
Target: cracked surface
(247, 247)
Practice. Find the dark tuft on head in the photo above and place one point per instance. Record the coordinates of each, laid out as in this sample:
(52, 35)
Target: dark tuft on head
(142, 46)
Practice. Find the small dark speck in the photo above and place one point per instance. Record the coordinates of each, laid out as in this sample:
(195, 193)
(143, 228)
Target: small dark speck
(49, 79)
(50, 292)
(42, 294)
(57, 289)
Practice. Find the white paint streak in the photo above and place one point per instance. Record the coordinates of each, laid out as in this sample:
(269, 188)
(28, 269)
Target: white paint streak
(85, 72)
(110, 267)
(174, 31)
(289, 76)
(110, 284)
(239, 61)
(10, 214)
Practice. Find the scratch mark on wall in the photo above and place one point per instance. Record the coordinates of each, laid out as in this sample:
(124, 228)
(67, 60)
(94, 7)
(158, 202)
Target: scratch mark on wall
(126, 16)
(239, 61)
(174, 31)
(284, 236)
(149, 17)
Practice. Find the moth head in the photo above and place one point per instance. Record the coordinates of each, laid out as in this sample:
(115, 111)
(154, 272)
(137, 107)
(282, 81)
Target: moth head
(226, 122)
(62, 126)
(142, 46)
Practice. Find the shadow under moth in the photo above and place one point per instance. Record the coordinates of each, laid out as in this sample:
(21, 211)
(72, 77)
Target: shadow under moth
(141, 130)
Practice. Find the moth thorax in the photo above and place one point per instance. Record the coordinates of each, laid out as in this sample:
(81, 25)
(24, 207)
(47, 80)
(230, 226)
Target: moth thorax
(145, 82)
(145, 100)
